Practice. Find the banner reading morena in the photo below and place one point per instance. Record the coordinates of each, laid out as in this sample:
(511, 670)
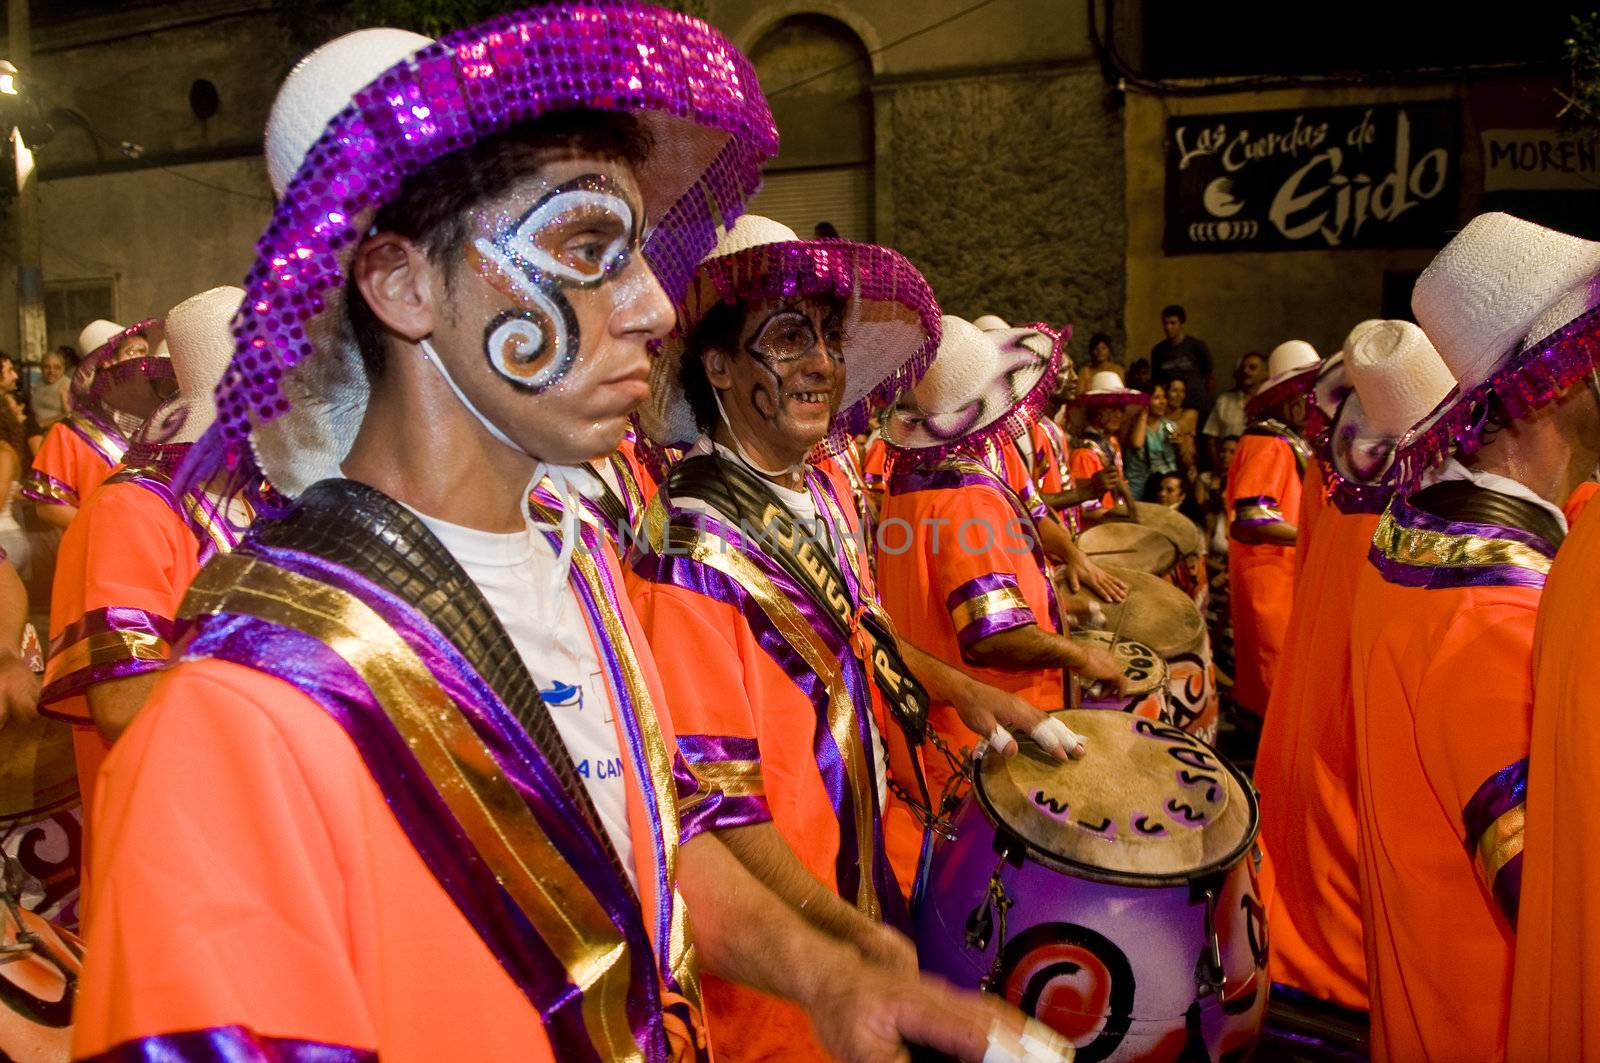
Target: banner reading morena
(1372, 175)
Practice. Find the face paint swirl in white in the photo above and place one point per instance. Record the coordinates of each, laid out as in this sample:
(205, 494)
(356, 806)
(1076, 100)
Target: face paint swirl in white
(578, 236)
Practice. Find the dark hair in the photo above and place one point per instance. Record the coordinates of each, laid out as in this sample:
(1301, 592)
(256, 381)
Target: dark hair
(720, 328)
(13, 435)
(1227, 439)
(1174, 310)
(825, 231)
(1097, 339)
(432, 205)
(1252, 354)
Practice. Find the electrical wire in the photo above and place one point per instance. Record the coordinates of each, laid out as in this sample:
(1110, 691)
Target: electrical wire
(881, 48)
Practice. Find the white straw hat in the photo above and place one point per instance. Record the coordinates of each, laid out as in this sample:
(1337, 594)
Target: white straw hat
(1291, 369)
(1483, 296)
(320, 86)
(980, 385)
(95, 334)
(989, 322)
(1514, 311)
(1399, 379)
(1107, 389)
(200, 343)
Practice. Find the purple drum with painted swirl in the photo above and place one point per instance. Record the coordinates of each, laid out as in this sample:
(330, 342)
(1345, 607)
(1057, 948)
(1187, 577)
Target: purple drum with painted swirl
(1113, 897)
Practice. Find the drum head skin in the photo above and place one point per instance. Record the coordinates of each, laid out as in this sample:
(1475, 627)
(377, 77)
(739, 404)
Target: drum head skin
(1182, 531)
(1129, 546)
(1155, 612)
(1148, 805)
(1142, 666)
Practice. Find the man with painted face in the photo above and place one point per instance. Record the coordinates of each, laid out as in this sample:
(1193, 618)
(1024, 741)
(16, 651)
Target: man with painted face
(798, 701)
(392, 847)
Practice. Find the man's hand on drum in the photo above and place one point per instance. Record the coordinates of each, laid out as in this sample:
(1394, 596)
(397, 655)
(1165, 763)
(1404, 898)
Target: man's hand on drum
(1106, 482)
(873, 1018)
(1097, 666)
(888, 948)
(994, 714)
(1082, 572)
(19, 691)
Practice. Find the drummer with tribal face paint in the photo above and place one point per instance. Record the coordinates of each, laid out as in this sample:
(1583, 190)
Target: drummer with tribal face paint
(798, 702)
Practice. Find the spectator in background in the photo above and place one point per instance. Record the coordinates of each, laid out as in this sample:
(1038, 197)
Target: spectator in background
(1173, 493)
(14, 461)
(1138, 376)
(1179, 409)
(1183, 356)
(825, 231)
(1227, 419)
(1148, 447)
(1102, 359)
(48, 402)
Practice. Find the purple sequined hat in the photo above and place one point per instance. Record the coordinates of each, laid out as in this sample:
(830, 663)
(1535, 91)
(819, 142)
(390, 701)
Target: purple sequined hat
(891, 321)
(295, 390)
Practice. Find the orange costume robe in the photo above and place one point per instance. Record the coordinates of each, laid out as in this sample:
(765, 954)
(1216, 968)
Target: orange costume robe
(1094, 452)
(1263, 486)
(1050, 453)
(342, 830)
(1556, 978)
(1441, 650)
(1305, 765)
(954, 534)
(777, 719)
(124, 564)
(76, 456)
(1313, 501)
(874, 466)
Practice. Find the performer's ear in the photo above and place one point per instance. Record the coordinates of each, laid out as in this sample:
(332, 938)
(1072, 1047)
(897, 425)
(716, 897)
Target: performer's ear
(395, 280)
(716, 363)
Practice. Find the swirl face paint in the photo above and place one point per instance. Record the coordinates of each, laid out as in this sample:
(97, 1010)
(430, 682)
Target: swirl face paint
(781, 345)
(577, 236)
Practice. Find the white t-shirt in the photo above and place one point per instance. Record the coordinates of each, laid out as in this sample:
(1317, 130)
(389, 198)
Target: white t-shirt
(551, 634)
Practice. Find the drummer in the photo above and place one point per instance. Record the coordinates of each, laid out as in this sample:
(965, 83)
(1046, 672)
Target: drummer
(1305, 767)
(783, 732)
(1098, 456)
(955, 532)
(1263, 500)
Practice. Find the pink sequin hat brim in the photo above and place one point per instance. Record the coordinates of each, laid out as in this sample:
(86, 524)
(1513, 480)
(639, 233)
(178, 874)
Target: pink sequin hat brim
(891, 325)
(694, 91)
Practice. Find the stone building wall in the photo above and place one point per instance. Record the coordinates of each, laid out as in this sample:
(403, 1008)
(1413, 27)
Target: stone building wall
(1007, 193)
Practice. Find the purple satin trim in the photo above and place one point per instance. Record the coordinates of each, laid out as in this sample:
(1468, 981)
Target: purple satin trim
(41, 495)
(109, 457)
(993, 624)
(712, 749)
(979, 586)
(1440, 577)
(1255, 502)
(677, 570)
(1498, 794)
(932, 478)
(316, 670)
(113, 618)
(230, 1044)
(74, 683)
(1349, 497)
(716, 810)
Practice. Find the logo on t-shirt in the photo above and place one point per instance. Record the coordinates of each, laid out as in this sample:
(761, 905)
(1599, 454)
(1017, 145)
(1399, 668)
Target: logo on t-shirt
(563, 695)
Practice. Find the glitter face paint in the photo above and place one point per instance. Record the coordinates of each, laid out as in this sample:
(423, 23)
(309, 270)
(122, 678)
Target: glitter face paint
(575, 237)
(781, 344)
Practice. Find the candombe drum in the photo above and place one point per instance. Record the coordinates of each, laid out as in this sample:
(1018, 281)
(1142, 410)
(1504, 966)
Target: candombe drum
(41, 817)
(1189, 573)
(39, 967)
(1113, 897)
(1143, 671)
(1159, 615)
(1129, 545)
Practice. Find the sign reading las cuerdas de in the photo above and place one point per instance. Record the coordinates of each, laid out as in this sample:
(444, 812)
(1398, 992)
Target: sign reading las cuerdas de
(1378, 175)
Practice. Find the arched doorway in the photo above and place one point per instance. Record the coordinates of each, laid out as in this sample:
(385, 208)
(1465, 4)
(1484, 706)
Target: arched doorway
(817, 76)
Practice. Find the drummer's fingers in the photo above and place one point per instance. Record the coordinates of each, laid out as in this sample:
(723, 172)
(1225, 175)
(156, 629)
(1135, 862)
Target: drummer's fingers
(1057, 739)
(1001, 741)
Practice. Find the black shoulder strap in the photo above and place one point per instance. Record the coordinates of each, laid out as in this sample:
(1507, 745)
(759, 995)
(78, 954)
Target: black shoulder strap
(1465, 501)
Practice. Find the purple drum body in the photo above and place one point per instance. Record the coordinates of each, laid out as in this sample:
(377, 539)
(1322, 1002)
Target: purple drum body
(1157, 953)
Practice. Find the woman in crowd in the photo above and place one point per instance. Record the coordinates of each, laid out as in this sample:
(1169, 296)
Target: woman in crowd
(1149, 445)
(1101, 360)
(14, 459)
(1178, 409)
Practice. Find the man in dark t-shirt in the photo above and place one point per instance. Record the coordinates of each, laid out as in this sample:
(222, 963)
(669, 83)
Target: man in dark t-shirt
(1183, 356)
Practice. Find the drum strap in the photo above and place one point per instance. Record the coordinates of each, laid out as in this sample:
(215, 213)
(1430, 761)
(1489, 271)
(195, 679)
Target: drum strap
(1464, 502)
(728, 488)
